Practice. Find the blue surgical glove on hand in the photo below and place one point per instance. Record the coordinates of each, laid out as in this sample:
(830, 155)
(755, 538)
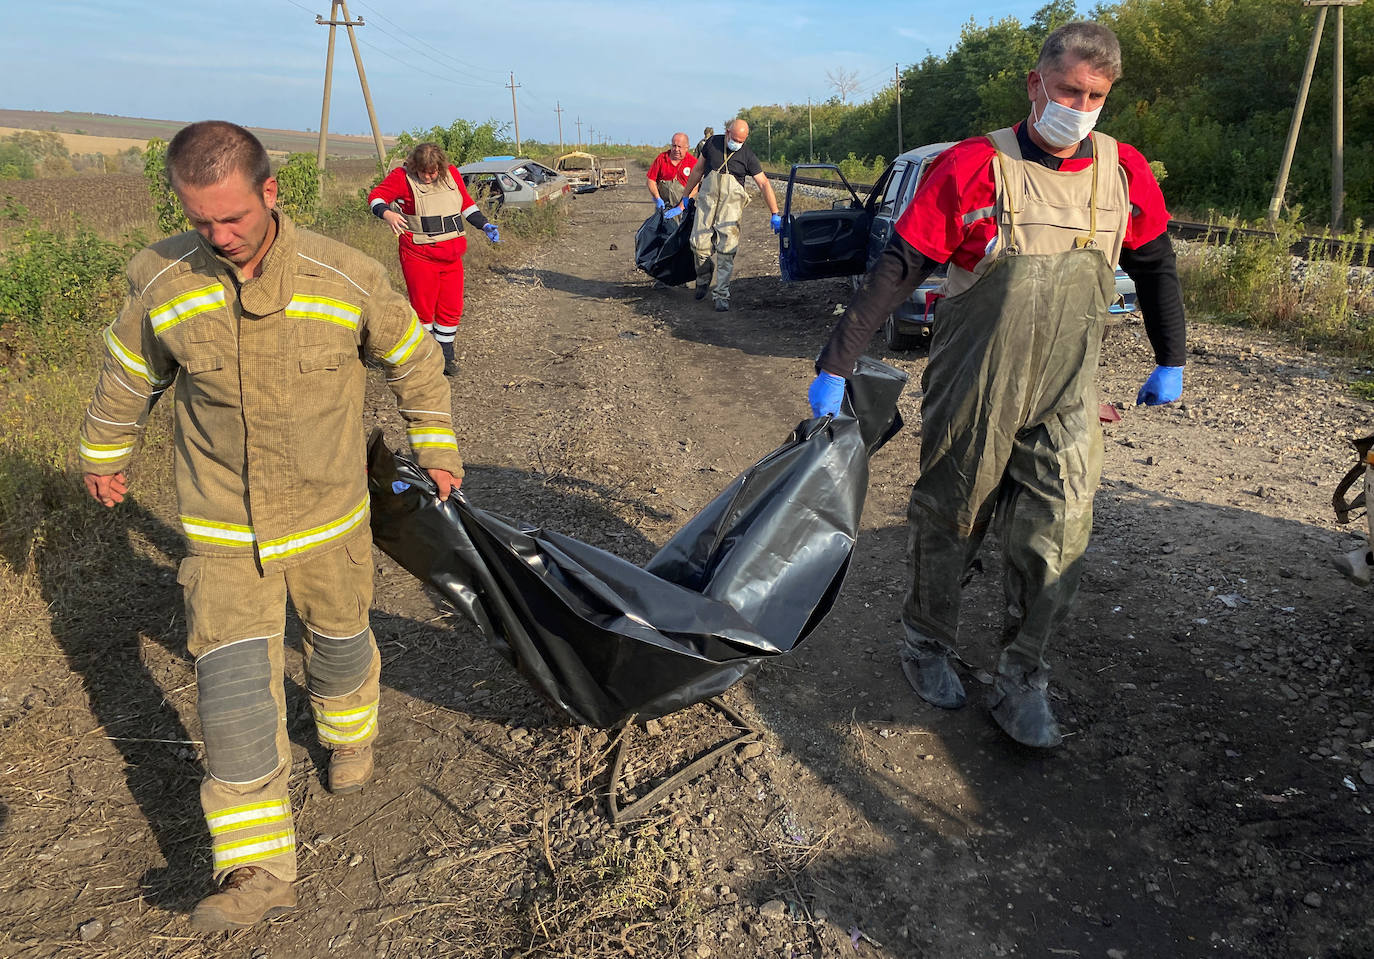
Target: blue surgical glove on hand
(658, 203)
(1164, 386)
(825, 394)
(776, 222)
(493, 234)
(677, 210)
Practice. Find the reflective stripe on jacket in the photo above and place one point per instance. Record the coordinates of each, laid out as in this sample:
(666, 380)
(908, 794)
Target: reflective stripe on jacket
(269, 388)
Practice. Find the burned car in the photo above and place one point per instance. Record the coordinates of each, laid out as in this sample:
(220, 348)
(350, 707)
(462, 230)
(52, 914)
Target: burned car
(583, 170)
(846, 240)
(516, 183)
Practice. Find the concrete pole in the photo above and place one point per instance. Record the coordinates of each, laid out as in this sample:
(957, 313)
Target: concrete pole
(810, 135)
(1276, 202)
(559, 111)
(328, 82)
(350, 23)
(897, 69)
(1338, 128)
(514, 110)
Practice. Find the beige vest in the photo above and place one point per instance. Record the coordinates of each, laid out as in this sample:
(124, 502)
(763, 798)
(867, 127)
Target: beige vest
(438, 210)
(1040, 210)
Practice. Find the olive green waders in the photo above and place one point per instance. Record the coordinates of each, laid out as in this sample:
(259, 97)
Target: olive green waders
(1009, 417)
(720, 204)
(670, 192)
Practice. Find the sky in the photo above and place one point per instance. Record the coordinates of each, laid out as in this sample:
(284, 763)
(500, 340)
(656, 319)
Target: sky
(630, 72)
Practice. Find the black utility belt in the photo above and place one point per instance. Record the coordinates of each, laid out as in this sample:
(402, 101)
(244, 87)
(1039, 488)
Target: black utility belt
(438, 225)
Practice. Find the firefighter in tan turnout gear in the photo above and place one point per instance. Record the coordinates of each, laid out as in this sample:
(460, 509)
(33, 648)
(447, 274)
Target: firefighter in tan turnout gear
(263, 327)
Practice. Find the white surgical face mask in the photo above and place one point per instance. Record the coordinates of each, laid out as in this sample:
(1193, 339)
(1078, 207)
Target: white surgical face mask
(732, 144)
(1060, 126)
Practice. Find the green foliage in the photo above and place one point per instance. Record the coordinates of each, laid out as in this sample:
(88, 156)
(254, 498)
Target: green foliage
(298, 188)
(463, 141)
(170, 217)
(54, 284)
(27, 154)
(15, 161)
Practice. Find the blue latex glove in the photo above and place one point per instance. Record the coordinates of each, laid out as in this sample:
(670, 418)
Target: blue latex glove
(1164, 386)
(776, 222)
(825, 393)
(493, 234)
(658, 203)
(677, 210)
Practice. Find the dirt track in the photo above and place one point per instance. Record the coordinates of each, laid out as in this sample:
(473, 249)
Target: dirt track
(1213, 797)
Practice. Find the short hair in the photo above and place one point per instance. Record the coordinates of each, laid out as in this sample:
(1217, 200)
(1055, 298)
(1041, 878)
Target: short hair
(211, 151)
(709, 131)
(1082, 40)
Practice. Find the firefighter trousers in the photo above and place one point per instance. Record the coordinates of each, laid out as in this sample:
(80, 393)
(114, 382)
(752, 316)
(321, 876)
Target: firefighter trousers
(236, 618)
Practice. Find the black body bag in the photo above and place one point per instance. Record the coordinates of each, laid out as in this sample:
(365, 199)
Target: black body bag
(746, 579)
(662, 250)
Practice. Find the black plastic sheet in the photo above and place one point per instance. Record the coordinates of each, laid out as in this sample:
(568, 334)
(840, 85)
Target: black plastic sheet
(661, 248)
(747, 579)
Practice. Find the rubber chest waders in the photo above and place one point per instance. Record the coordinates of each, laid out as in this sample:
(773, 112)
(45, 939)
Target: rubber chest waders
(720, 203)
(1010, 429)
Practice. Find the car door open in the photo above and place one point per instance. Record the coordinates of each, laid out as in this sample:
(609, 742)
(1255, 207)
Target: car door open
(819, 243)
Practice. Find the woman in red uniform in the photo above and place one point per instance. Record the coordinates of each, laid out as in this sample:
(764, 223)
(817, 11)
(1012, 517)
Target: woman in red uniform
(424, 202)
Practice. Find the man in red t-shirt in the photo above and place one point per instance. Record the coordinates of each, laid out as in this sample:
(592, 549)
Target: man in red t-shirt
(669, 172)
(1031, 221)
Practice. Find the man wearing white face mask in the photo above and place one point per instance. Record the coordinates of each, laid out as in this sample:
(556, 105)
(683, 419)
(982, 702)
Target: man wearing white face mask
(1031, 220)
(724, 164)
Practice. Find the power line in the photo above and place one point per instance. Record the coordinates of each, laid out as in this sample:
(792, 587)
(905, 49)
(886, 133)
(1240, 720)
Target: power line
(443, 53)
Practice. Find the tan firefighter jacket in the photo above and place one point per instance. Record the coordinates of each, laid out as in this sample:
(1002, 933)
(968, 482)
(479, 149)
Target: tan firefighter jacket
(269, 388)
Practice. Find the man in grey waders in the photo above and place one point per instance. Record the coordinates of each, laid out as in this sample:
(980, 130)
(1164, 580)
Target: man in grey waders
(1031, 220)
(722, 166)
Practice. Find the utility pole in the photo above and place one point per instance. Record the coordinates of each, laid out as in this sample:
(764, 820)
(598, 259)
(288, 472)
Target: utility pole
(579, 131)
(591, 138)
(897, 70)
(810, 134)
(1338, 113)
(770, 139)
(333, 24)
(559, 111)
(513, 86)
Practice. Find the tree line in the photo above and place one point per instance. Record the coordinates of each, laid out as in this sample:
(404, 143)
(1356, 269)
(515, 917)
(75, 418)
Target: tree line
(1207, 93)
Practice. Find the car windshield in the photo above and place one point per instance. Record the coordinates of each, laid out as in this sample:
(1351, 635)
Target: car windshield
(532, 172)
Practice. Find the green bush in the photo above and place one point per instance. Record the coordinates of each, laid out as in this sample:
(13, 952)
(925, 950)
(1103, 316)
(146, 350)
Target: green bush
(298, 188)
(170, 217)
(54, 284)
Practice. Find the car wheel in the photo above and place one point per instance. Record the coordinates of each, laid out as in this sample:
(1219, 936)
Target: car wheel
(897, 340)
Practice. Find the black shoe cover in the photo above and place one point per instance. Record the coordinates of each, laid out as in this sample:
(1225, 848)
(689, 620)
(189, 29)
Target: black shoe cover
(1021, 706)
(934, 679)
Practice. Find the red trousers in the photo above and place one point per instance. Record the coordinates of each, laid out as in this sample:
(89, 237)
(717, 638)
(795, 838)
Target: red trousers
(434, 282)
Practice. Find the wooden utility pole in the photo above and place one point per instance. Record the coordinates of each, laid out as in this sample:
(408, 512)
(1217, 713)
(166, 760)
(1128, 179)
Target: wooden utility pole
(1338, 113)
(512, 86)
(897, 70)
(333, 25)
(579, 131)
(810, 135)
(559, 110)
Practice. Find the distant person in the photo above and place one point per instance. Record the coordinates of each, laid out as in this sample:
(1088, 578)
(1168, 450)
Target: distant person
(1031, 219)
(669, 172)
(262, 328)
(425, 202)
(706, 134)
(721, 170)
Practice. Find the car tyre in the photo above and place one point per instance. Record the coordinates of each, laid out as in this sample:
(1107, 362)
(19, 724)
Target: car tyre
(897, 340)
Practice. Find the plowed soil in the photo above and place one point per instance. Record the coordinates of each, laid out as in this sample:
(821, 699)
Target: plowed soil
(1213, 797)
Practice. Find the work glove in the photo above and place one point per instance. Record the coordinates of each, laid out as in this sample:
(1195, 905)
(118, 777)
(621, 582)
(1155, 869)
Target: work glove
(776, 222)
(658, 203)
(1164, 386)
(677, 210)
(825, 394)
(493, 234)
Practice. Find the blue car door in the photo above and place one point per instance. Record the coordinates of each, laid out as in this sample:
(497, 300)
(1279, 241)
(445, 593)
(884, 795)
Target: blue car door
(819, 243)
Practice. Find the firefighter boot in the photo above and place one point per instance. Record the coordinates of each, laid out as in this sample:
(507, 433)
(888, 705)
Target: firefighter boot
(1020, 704)
(247, 896)
(450, 364)
(349, 768)
(929, 668)
(1357, 565)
